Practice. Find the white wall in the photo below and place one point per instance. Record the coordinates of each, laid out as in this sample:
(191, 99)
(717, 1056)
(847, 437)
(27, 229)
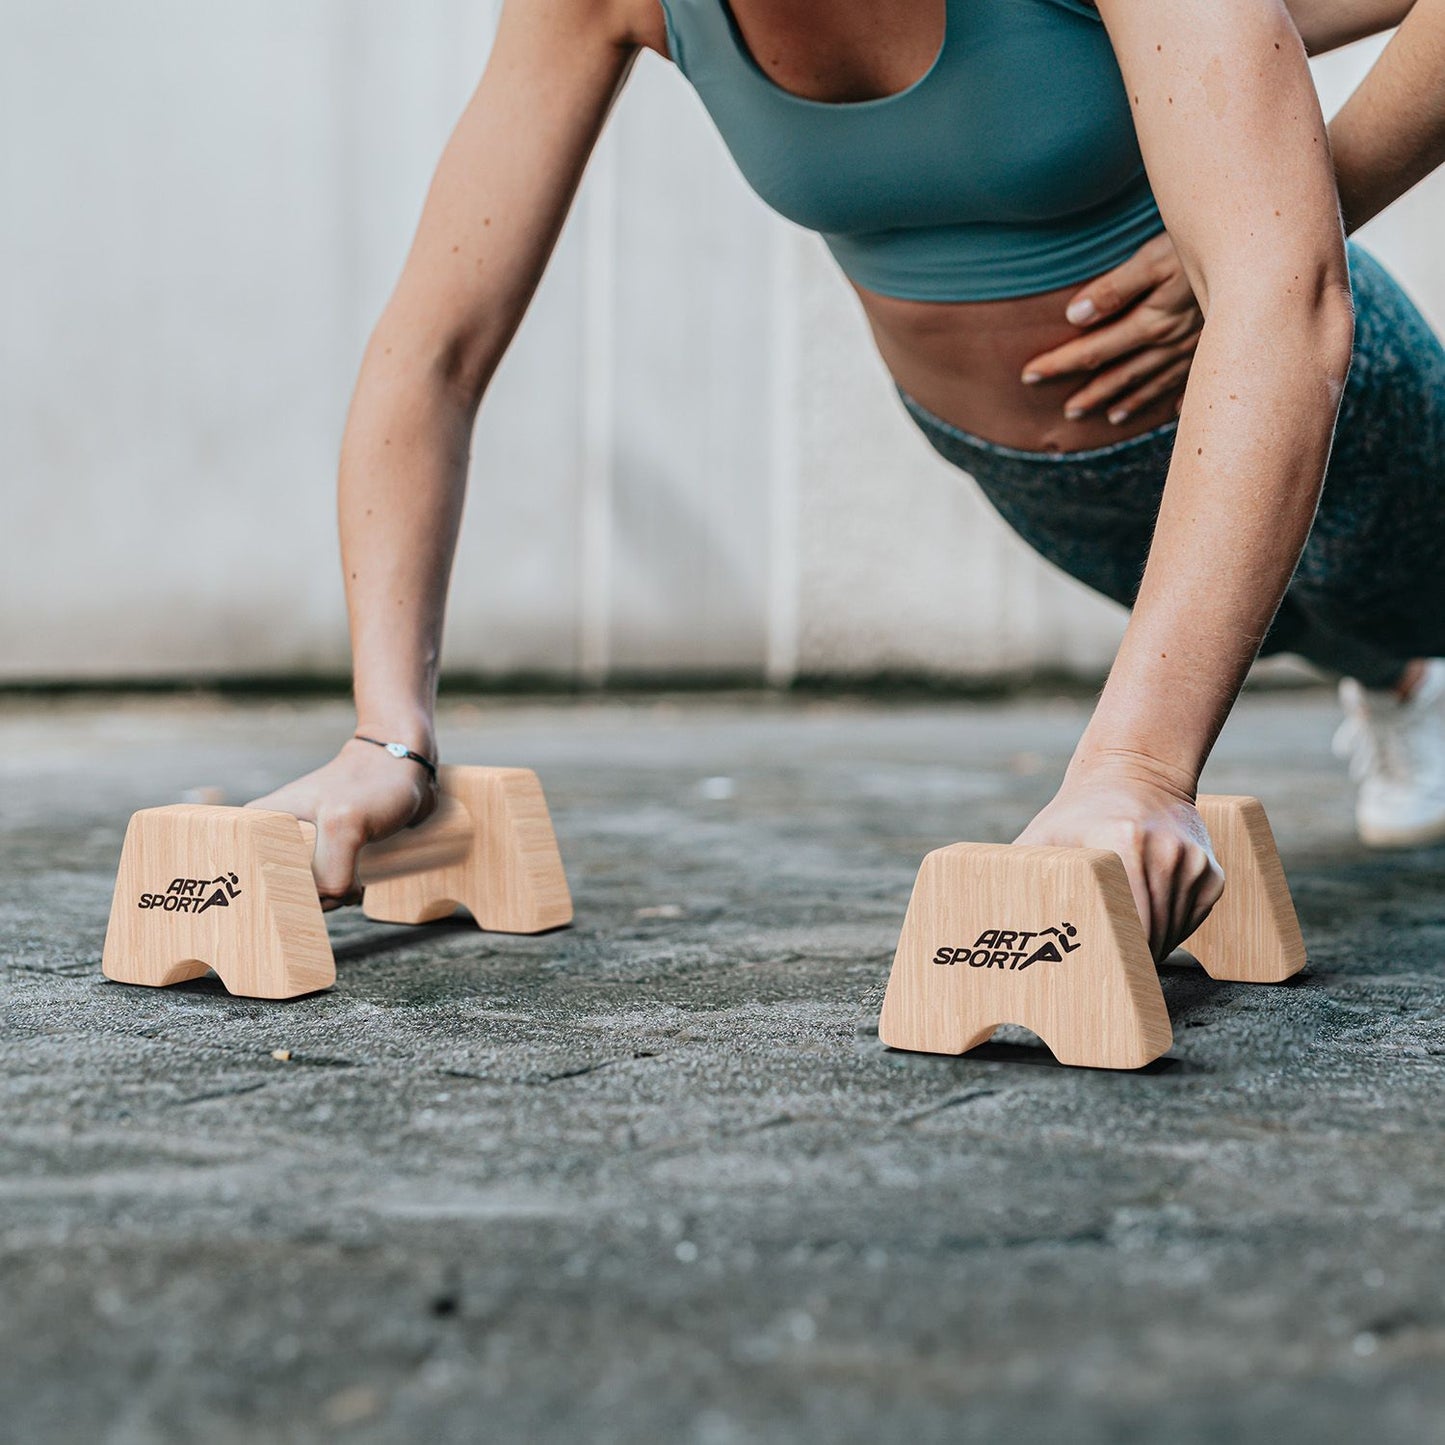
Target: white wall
(690, 461)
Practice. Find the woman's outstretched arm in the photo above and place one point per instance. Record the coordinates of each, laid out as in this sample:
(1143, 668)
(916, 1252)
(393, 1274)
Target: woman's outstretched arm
(496, 205)
(1390, 134)
(1325, 25)
(1234, 142)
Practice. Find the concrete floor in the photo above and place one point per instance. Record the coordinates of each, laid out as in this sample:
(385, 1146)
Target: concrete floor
(655, 1178)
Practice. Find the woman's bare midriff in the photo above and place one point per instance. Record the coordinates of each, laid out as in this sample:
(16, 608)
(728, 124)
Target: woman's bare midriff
(963, 361)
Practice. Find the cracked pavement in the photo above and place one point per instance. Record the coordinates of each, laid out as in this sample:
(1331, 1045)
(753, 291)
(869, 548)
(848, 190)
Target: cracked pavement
(654, 1177)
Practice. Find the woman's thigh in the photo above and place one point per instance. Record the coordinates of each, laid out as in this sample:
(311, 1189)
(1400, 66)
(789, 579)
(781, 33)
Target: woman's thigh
(1372, 564)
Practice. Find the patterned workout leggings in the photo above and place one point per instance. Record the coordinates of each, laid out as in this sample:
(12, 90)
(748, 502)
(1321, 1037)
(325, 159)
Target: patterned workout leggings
(1369, 591)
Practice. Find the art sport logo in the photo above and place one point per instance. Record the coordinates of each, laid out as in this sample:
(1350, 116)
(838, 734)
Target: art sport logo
(1014, 949)
(194, 895)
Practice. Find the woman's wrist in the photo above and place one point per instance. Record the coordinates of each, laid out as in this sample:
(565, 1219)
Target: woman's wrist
(414, 729)
(1149, 723)
(1133, 765)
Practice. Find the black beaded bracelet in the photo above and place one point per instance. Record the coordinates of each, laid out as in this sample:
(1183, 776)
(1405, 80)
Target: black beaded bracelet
(400, 750)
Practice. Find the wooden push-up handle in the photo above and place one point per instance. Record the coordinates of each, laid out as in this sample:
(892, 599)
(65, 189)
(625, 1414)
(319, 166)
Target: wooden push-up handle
(230, 889)
(1049, 938)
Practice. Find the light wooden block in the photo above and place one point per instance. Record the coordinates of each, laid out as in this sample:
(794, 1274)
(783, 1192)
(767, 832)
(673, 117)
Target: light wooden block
(1044, 937)
(231, 889)
(509, 877)
(1050, 939)
(1252, 934)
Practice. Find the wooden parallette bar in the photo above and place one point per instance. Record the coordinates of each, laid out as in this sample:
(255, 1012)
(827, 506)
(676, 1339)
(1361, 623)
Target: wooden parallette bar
(230, 889)
(1049, 938)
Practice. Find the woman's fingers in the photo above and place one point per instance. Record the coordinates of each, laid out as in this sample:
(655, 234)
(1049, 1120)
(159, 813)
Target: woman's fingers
(1171, 377)
(1114, 290)
(1134, 331)
(1148, 296)
(1163, 896)
(1186, 882)
(1144, 314)
(1179, 891)
(1208, 890)
(1139, 372)
(1198, 882)
(1175, 882)
(340, 833)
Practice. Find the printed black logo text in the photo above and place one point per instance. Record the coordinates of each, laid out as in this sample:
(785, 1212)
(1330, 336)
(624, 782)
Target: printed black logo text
(1014, 948)
(194, 895)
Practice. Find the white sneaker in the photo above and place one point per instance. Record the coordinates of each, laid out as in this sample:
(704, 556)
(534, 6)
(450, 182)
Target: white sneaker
(1397, 756)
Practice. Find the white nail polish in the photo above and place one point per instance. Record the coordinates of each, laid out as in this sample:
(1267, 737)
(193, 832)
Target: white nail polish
(1080, 312)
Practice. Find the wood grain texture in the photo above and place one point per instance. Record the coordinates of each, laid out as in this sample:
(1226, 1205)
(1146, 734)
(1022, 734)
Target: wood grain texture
(1093, 996)
(231, 889)
(228, 889)
(510, 878)
(1252, 934)
(969, 959)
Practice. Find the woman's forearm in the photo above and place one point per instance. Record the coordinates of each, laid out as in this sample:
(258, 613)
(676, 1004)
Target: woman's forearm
(1390, 133)
(1244, 482)
(402, 483)
(1325, 25)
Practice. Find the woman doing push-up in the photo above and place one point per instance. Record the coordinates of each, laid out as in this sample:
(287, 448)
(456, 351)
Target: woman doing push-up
(972, 164)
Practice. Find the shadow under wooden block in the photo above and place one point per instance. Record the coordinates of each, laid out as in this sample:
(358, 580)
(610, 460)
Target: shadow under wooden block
(1252, 935)
(228, 889)
(490, 848)
(1049, 938)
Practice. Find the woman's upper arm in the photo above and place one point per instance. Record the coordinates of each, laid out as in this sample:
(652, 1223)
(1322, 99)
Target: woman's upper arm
(507, 178)
(1233, 141)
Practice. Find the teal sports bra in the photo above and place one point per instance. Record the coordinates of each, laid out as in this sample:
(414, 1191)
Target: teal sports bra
(1010, 167)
